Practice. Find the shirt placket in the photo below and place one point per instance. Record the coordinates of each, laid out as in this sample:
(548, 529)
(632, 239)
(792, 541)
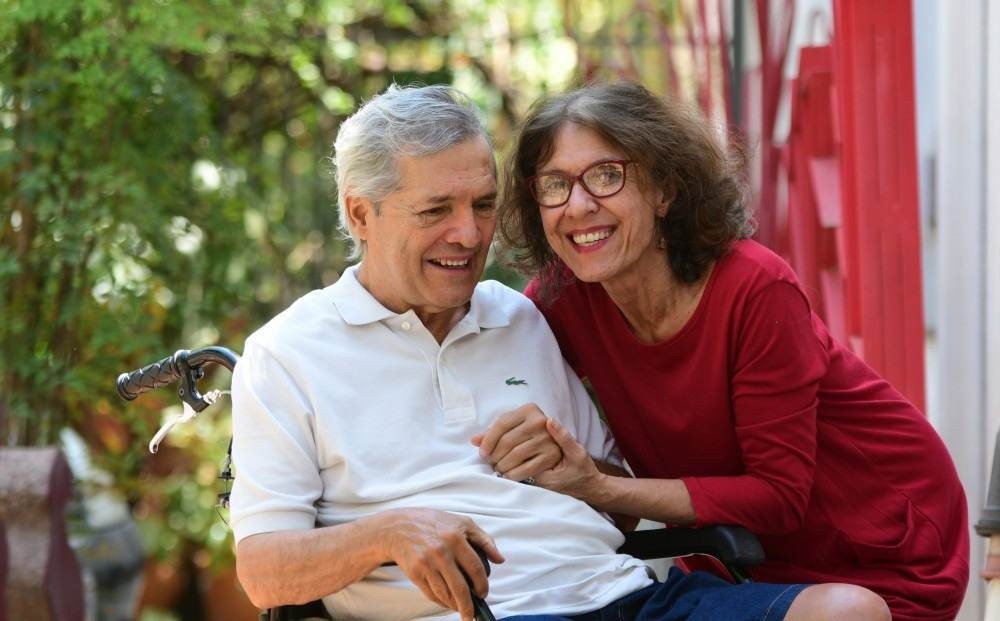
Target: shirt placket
(456, 400)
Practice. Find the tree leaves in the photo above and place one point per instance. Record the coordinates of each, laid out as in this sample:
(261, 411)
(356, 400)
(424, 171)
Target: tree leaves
(163, 179)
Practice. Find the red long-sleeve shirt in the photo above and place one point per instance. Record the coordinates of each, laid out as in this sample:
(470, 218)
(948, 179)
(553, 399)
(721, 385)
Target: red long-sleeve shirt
(775, 426)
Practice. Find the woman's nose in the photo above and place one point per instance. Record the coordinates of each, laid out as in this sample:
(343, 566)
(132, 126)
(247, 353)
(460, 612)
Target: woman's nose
(580, 201)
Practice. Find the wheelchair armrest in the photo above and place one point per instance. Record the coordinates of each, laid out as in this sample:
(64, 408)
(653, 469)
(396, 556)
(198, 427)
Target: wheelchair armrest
(735, 546)
(297, 612)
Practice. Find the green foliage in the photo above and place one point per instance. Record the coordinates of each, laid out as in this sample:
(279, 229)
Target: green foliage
(162, 185)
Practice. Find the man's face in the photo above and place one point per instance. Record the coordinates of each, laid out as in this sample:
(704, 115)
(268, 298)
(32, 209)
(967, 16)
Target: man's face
(427, 246)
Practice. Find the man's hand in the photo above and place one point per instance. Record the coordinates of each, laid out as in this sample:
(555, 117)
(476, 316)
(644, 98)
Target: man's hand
(434, 548)
(518, 445)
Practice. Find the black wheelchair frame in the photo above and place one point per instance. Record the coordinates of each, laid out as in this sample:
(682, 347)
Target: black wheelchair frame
(734, 546)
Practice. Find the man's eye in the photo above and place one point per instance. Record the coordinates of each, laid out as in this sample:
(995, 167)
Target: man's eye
(489, 206)
(433, 212)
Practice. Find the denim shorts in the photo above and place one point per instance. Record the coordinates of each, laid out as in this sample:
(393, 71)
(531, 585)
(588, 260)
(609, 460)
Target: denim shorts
(697, 596)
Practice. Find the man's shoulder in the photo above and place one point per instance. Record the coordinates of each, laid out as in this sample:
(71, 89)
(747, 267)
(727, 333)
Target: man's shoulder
(300, 319)
(511, 303)
(499, 292)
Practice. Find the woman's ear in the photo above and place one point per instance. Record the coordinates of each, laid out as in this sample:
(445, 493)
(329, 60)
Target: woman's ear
(666, 197)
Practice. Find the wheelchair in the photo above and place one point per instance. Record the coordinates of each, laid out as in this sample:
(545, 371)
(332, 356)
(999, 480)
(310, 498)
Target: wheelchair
(734, 547)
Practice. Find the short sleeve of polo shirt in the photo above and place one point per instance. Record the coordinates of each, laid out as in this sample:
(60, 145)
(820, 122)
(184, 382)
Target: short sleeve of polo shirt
(278, 481)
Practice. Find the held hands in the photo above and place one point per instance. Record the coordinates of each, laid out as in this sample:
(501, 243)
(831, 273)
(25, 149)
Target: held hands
(525, 443)
(518, 444)
(576, 474)
(434, 548)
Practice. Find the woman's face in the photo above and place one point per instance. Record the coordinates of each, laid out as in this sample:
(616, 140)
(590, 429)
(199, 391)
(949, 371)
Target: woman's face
(600, 238)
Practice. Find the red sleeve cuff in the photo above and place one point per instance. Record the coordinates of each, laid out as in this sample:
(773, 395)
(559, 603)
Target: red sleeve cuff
(699, 501)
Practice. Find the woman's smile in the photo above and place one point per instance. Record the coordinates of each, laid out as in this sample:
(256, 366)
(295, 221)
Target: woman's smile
(591, 239)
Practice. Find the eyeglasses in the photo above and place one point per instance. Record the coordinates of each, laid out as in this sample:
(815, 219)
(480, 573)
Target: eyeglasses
(600, 180)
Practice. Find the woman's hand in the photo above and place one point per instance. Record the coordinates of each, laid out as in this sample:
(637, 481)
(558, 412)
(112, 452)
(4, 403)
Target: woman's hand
(518, 444)
(576, 474)
(527, 432)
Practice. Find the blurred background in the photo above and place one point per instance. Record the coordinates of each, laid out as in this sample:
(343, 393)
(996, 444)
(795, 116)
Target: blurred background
(164, 184)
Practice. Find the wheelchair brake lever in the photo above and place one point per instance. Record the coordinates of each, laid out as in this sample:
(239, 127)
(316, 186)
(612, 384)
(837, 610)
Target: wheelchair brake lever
(189, 413)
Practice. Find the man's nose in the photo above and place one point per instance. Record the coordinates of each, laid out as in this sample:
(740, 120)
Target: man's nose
(464, 229)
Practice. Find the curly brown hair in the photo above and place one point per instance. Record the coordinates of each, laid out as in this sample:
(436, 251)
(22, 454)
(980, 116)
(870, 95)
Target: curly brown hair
(674, 149)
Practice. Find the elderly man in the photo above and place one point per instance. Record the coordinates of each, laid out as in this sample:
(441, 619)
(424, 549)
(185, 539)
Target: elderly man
(354, 408)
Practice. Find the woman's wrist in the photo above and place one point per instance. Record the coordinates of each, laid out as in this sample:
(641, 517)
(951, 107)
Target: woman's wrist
(600, 491)
(661, 500)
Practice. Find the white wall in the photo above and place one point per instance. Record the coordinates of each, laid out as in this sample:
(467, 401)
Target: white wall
(957, 74)
(992, 208)
(992, 72)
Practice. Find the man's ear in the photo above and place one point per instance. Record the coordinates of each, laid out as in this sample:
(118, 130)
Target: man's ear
(360, 211)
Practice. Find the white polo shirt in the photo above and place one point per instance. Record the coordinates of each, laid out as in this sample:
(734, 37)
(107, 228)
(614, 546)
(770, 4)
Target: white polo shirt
(343, 408)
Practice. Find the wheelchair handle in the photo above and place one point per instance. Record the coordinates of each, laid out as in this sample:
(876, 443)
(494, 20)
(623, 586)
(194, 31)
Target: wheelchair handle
(187, 367)
(483, 612)
(149, 377)
(172, 368)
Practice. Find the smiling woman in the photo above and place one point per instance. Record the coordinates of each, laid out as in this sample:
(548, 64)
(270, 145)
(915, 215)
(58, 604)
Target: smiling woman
(724, 390)
(623, 230)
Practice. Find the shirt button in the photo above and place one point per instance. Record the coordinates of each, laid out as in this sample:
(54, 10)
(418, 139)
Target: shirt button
(405, 325)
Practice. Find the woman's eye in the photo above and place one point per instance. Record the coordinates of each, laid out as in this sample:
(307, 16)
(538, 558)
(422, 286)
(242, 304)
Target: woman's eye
(606, 176)
(560, 183)
(551, 183)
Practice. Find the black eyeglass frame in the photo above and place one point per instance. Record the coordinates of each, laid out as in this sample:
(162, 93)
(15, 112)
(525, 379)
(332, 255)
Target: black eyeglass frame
(574, 179)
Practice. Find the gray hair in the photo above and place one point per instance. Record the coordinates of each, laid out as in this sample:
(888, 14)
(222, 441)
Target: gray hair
(409, 120)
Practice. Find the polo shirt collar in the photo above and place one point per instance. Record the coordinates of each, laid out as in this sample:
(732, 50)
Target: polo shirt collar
(358, 306)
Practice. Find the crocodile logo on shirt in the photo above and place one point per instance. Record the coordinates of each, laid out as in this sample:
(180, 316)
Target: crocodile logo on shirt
(513, 381)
